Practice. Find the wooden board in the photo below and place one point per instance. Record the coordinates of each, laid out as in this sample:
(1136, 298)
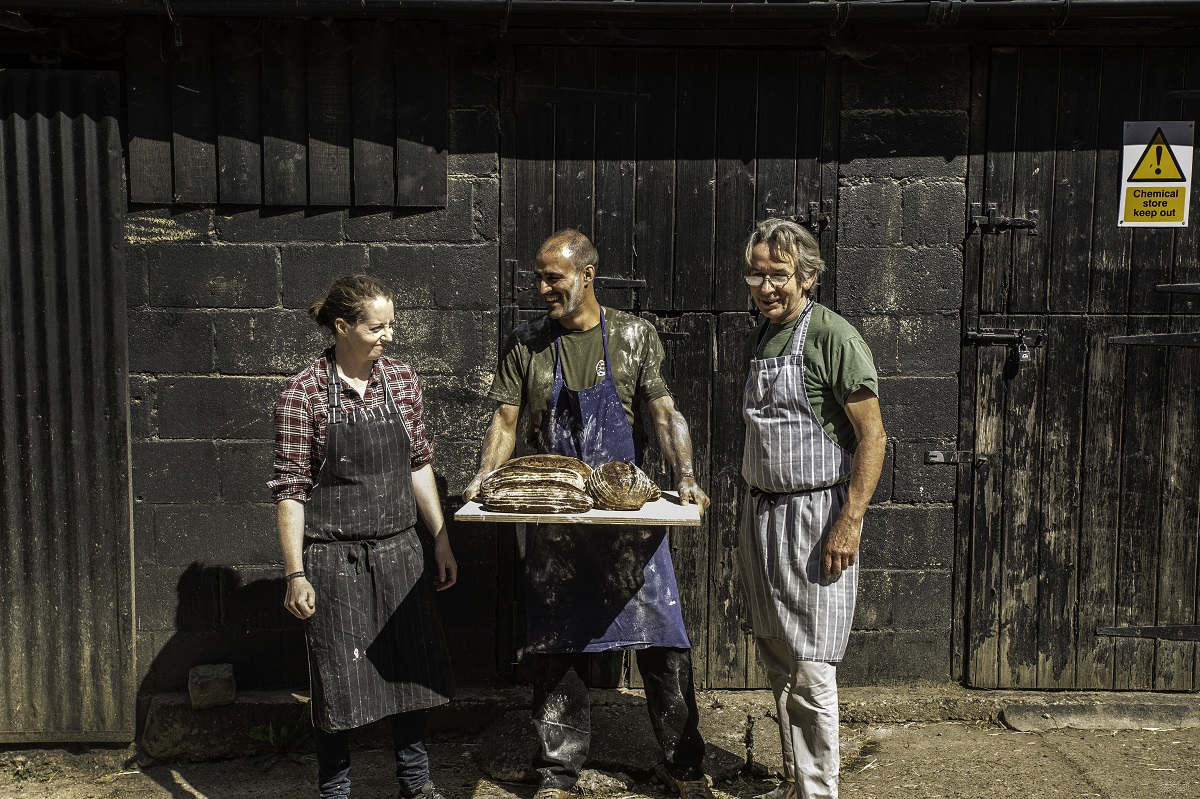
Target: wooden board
(665, 511)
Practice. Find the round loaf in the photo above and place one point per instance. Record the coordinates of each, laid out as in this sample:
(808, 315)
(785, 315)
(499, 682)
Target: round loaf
(621, 486)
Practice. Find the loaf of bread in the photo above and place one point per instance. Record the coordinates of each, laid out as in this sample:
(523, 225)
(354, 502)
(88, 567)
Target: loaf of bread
(538, 484)
(621, 486)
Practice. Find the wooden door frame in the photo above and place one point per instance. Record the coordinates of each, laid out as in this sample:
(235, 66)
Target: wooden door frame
(960, 626)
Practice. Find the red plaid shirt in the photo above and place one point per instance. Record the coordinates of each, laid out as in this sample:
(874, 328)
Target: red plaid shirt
(303, 411)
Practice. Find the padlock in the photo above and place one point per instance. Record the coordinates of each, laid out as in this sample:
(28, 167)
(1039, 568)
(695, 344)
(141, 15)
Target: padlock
(1024, 356)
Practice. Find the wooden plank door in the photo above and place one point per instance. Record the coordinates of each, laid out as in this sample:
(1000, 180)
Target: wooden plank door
(666, 158)
(66, 617)
(1080, 510)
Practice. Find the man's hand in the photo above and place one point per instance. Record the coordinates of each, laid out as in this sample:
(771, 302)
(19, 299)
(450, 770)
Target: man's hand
(690, 491)
(472, 490)
(841, 545)
(301, 599)
(446, 565)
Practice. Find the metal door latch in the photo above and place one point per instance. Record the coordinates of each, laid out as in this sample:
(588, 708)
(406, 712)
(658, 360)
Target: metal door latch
(819, 215)
(949, 456)
(993, 222)
(1022, 341)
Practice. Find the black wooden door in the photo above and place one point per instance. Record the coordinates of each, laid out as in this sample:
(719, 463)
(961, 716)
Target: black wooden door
(66, 631)
(1079, 513)
(665, 158)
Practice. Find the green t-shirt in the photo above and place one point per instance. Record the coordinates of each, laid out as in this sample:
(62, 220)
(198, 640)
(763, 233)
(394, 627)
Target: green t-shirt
(837, 362)
(526, 372)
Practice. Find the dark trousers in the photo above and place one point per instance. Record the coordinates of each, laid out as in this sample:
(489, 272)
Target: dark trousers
(562, 713)
(412, 761)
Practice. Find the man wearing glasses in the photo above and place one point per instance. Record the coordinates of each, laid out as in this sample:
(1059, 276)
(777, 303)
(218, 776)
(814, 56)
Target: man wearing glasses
(814, 448)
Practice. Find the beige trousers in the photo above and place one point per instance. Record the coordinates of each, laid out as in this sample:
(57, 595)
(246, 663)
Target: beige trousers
(806, 701)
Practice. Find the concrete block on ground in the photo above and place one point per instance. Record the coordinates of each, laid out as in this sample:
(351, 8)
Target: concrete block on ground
(1102, 711)
(212, 686)
(920, 701)
(174, 731)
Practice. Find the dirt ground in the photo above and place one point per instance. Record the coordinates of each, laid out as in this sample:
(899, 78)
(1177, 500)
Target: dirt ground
(933, 761)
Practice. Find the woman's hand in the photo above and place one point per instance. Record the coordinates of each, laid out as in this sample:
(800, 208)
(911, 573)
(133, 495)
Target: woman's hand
(301, 599)
(443, 559)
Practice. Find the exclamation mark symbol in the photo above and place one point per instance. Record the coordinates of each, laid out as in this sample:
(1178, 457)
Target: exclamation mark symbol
(1158, 159)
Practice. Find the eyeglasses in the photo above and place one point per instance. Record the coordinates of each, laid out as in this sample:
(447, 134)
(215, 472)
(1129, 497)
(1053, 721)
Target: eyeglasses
(778, 281)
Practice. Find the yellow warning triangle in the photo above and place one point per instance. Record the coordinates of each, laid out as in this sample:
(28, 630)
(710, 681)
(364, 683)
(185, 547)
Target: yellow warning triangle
(1157, 163)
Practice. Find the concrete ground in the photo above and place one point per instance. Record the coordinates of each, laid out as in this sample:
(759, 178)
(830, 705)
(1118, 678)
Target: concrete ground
(927, 741)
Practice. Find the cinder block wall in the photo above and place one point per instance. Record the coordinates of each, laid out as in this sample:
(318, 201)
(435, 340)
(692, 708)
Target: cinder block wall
(217, 300)
(217, 314)
(900, 229)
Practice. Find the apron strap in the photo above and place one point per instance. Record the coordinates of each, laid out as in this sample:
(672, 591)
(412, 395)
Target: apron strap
(334, 387)
(558, 375)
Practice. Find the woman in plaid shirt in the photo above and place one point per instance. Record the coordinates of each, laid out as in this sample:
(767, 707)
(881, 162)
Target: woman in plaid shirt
(352, 474)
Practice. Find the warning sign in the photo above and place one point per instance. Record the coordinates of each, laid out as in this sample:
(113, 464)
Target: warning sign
(1157, 163)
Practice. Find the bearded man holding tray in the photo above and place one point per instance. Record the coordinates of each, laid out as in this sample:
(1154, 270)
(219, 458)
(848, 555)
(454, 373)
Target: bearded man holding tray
(580, 371)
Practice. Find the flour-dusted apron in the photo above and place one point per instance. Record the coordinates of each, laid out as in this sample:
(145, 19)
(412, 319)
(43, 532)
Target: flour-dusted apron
(798, 479)
(595, 588)
(375, 643)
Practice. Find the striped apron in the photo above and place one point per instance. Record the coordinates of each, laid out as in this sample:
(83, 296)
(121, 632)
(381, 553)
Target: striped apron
(375, 643)
(798, 481)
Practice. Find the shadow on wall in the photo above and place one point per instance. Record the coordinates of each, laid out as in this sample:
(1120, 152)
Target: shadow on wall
(221, 619)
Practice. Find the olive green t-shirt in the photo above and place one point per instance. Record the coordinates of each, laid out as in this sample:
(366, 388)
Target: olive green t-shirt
(837, 362)
(526, 372)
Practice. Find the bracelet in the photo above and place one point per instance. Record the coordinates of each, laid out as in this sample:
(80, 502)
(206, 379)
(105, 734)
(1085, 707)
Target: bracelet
(683, 475)
(293, 576)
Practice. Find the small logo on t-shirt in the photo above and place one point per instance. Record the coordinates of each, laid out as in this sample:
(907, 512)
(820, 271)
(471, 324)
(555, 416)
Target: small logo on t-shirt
(601, 369)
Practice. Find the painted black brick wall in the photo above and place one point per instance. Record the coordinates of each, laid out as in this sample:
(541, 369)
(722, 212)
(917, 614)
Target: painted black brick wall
(217, 300)
(217, 309)
(901, 202)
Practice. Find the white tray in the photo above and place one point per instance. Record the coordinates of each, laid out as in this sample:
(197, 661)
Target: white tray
(663, 512)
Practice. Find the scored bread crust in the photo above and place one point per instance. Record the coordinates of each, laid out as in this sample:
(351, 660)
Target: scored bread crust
(551, 462)
(538, 484)
(621, 486)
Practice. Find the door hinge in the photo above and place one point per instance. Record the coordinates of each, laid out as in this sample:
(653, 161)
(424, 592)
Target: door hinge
(993, 222)
(1158, 340)
(1166, 632)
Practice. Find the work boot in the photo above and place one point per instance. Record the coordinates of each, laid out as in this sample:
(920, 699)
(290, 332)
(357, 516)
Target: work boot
(685, 789)
(785, 790)
(550, 792)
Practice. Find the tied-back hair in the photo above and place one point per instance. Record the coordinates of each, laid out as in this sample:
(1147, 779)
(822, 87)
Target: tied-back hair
(573, 244)
(347, 299)
(787, 241)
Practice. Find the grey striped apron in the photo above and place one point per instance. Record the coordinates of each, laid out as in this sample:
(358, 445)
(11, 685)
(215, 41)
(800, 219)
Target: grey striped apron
(798, 478)
(375, 643)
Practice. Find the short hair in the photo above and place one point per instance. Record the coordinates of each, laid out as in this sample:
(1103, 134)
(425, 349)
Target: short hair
(577, 248)
(347, 299)
(790, 241)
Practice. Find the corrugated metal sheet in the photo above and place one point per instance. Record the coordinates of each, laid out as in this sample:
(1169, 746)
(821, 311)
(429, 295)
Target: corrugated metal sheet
(66, 633)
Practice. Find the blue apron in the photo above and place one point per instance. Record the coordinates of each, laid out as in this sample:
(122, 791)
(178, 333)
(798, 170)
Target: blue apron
(594, 588)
